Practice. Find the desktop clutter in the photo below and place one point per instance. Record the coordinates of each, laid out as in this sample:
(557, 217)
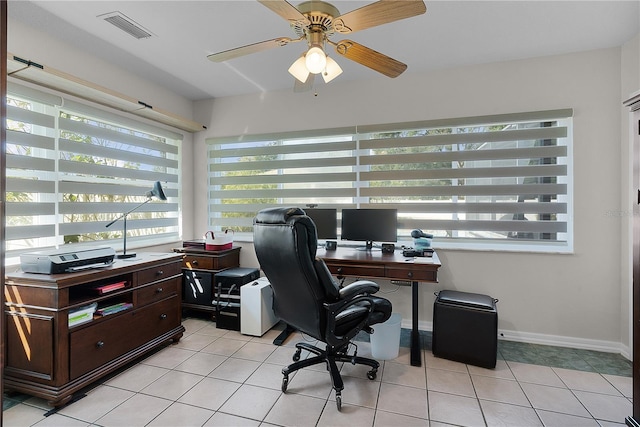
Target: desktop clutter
(421, 245)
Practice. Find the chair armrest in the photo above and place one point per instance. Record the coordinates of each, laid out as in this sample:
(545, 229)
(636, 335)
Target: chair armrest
(362, 303)
(359, 287)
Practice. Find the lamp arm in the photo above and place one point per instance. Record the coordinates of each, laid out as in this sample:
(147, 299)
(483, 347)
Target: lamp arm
(127, 213)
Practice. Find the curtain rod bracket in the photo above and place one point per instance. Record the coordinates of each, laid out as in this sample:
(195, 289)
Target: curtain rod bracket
(28, 62)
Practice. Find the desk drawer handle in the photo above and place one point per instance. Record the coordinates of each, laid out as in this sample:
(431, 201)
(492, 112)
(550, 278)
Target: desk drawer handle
(159, 273)
(159, 290)
(194, 262)
(339, 270)
(100, 344)
(410, 274)
(163, 316)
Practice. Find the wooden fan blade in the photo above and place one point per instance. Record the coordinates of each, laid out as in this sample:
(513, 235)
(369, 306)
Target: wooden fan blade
(370, 58)
(286, 10)
(251, 48)
(378, 13)
(298, 86)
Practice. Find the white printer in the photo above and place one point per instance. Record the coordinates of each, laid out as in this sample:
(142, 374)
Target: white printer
(66, 260)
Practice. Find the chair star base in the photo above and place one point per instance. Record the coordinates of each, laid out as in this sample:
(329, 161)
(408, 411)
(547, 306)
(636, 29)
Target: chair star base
(329, 356)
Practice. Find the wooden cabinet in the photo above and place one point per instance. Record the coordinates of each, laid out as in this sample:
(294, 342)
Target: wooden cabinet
(46, 357)
(199, 267)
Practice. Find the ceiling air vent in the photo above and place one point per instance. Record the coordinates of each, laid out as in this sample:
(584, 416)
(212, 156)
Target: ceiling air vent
(126, 24)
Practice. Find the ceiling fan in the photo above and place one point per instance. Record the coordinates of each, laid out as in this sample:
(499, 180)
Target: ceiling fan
(315, 22)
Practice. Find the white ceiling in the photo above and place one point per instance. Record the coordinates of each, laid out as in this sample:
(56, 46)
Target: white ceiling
(451, 33)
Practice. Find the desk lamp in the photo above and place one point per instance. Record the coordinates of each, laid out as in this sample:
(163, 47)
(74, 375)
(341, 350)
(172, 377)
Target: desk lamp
(155, 192)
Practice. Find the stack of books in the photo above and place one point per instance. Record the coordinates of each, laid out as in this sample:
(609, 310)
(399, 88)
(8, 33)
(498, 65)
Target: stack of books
(115, 308)
(82, 315)
(104, 289)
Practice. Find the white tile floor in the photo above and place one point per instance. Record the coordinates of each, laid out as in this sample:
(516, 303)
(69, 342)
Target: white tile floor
(214, 377)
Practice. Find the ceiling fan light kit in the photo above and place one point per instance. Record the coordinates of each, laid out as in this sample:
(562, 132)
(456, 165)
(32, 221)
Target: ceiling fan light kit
(299, 69)
(331, 71)
(316, 21)
(315, 60)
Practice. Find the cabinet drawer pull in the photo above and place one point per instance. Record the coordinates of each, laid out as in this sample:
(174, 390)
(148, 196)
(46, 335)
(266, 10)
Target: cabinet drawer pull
(100, 344)
(194, 262)
(410, 274)
(339, 270)
(159, 290)
(163, 316)
(159, 273)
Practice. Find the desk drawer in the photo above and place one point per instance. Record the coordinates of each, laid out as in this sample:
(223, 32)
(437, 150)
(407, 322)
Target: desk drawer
(197, 262)
(158, 291)
(412, 272)
(98, 344)
(159, 272)
(356, 270)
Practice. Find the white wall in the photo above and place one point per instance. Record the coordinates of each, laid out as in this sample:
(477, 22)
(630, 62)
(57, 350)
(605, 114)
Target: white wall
(563, 299)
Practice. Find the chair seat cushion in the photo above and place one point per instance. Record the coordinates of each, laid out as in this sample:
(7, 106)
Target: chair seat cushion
(347, 320)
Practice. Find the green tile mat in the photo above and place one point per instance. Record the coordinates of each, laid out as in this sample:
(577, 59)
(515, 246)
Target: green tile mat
(546, 355)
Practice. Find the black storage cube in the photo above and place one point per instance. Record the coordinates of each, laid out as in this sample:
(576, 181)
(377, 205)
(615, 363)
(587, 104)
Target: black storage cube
(465, 328)
(227, 295)
(197, 287)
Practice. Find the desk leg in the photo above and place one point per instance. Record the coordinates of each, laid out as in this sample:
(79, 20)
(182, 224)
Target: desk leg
(416, 359)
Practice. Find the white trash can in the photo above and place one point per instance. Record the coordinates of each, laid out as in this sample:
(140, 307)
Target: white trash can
(385, 340)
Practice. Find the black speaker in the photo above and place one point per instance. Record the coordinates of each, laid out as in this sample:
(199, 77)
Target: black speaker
(388, 248)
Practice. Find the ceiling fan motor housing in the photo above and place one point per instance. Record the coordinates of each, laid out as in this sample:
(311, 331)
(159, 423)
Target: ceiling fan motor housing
(321, 15)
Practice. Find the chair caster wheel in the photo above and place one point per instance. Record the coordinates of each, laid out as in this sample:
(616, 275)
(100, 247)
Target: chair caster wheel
(372, 374)
(339, 401)
(296, 355)
(285, 383)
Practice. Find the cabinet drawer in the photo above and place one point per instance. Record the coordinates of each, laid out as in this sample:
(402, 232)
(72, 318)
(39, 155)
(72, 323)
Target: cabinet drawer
(158, 272)
(356, 270)
(197, 262)
(412, 273)
(99, 344)
(159, 318)
(157, 291)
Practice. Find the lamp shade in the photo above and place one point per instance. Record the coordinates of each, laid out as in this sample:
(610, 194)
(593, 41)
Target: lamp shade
(331, 71)
(156, 192)
(299, 70)
(315, 60)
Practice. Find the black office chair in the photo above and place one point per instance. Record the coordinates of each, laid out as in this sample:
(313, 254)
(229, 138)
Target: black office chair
(306, 296)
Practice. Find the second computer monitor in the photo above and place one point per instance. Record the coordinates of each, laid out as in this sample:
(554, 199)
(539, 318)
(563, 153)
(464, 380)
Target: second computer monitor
(326, 221)
(370, 225)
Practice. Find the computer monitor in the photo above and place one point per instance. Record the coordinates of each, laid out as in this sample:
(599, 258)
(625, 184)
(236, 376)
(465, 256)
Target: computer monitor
(369, 225)
(326, 221)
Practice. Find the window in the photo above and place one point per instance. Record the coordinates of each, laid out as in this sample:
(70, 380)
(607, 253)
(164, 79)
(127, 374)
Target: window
(491, 182)
(71, 169)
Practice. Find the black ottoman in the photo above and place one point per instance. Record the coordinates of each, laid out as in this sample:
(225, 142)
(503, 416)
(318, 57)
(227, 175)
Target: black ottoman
(465, 328)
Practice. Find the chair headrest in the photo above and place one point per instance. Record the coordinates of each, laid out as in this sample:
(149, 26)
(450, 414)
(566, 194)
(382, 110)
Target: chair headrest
(276, 215)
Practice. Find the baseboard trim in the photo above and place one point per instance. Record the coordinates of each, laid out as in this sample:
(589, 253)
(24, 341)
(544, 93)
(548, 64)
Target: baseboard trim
(544, 339)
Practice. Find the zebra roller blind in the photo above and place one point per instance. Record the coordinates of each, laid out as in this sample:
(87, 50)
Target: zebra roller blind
(501, 181)
(72, 168)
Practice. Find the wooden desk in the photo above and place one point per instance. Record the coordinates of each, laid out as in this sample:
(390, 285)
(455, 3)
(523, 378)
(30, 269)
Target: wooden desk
(351, 262)
(47, 358)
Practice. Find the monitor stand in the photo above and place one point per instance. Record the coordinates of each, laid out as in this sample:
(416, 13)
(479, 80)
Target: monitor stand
(368, 247)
